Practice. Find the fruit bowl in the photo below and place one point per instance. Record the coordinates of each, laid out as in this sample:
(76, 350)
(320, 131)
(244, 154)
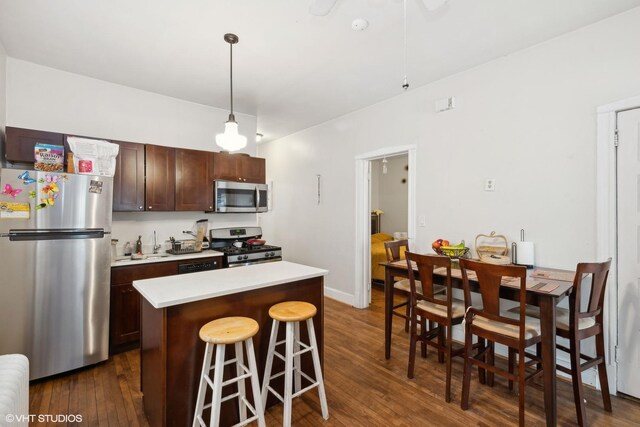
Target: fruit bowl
(451, 252)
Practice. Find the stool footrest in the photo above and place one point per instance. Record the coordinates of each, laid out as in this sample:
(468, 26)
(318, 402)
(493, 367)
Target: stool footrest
(304, 390)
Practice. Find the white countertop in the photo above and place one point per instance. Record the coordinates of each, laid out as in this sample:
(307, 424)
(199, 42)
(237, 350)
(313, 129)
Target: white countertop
(125, 261)
(173, 290)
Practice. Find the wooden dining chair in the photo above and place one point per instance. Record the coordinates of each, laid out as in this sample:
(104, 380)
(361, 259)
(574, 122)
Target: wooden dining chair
(395, 251)
(498, 326)
(578, 323)
(440, 308)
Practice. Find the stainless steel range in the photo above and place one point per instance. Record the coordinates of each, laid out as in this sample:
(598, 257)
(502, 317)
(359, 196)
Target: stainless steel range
(242, 246)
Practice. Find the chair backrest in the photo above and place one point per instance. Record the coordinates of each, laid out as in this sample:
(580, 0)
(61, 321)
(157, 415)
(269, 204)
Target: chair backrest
(599, 273)
(425, 265)
(489, 280)
(393, 249)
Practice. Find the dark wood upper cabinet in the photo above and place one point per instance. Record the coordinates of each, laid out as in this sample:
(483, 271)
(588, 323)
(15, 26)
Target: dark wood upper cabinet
(128, 181)
(20, 143)
(252, 169)
(160, 184)
(239, 167)
(194, 180)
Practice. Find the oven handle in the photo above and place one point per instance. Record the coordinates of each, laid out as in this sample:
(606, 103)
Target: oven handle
(242, 264)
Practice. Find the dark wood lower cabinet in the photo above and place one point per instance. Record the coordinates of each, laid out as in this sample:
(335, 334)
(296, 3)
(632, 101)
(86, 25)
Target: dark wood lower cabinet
(124, 320)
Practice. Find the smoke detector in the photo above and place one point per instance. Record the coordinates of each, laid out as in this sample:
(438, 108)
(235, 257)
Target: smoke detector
(359, 24)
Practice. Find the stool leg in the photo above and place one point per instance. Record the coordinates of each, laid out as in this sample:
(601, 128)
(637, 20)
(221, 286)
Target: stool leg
(296, 362)
(267, 367)
(318, 370)
(217, 386)
(242, 394)
(288, 374)
(202, 390)
(255, 386)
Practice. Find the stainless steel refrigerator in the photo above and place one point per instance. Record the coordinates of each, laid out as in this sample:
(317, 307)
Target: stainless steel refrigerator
(55, 237)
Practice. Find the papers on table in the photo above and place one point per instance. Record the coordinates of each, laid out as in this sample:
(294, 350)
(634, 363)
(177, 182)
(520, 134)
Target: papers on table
(561, 276)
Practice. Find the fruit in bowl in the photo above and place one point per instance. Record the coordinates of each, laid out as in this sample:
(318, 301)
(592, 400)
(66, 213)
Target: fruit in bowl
(443, 247)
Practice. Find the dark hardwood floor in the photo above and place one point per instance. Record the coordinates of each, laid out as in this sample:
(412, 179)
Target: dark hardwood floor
(363, 389)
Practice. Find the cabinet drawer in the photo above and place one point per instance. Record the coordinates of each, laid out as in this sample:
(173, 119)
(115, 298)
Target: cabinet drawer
(129, 273)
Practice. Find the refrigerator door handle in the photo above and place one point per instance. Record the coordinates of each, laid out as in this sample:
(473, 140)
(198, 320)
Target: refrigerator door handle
(55, 234)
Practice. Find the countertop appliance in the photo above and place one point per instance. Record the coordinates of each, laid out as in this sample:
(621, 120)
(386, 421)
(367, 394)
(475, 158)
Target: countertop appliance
(232, 196)
(223, 239)
(55, 238)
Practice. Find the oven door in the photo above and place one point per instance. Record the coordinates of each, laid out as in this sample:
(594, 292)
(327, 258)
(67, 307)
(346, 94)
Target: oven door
(231, 196)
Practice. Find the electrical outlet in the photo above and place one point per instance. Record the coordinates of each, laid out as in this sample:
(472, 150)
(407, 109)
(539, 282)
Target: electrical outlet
(490, 184)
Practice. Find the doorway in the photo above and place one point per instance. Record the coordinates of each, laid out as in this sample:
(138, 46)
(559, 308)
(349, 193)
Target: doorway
(364, 207)
(618, 236)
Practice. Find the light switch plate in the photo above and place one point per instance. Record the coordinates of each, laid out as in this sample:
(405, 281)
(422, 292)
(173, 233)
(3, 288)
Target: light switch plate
(422, 221)
(490, 184)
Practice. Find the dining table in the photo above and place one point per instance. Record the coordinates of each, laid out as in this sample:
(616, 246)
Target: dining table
(545, 297)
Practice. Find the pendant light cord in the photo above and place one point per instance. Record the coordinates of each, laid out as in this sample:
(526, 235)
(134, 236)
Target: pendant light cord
(231, 74)
(405, 83)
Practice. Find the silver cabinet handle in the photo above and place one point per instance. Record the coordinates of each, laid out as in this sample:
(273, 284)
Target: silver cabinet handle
(257, 199)
(140, 207)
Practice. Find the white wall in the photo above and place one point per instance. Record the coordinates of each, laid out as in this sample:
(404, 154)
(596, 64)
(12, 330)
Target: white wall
(48, 99)
(528, 120)
(393, 195)
(3, 98)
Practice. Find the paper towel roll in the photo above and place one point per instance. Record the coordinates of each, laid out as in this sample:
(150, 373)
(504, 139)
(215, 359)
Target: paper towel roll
(525, 253)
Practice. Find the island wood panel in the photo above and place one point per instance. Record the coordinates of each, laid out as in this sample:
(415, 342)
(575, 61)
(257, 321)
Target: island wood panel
(172, 353)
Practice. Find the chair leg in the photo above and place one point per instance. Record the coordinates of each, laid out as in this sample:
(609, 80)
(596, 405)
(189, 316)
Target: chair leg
(202, 390)
(447, 392)
(490, 361)
(413, 336)
(602, 373)
(466, 377)
(408, 315)
(217, 386)
(242, 393)
(268, 365)
(481, 372)
(521, 385)
(288, 374)
(441, 343)
(317, 370)
(576, 379)
(512, 362)
(423, 332)
(539, 355)
(255, 385)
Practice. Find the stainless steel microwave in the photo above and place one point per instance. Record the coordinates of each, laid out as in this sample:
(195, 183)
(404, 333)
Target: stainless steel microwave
(231, 196)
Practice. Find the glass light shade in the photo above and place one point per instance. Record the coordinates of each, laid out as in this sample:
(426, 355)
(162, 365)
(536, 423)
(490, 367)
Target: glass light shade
(230, 140)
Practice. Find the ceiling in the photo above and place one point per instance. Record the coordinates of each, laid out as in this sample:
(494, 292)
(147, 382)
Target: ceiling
(292, 69)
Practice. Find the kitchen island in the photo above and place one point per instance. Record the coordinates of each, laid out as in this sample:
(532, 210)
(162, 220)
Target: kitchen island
(175, 307)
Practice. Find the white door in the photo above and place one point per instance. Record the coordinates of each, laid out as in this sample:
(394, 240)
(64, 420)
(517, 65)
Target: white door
(629, 252)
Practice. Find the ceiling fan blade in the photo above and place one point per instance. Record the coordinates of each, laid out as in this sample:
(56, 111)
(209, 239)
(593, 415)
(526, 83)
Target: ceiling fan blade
(321, 7)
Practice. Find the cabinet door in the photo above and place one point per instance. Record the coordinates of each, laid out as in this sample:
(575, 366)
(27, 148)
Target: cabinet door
(252, 169)
(225, 166)
(194, 187)
(20, 143)
(125, 315)
(160, 185)
(128, 181)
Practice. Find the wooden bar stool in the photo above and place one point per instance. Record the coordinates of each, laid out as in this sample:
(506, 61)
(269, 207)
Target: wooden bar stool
(217, 334)
(292, 313)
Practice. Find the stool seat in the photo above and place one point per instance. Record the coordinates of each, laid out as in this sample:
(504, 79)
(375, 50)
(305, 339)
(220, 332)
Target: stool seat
(228, 330)
(292, 311)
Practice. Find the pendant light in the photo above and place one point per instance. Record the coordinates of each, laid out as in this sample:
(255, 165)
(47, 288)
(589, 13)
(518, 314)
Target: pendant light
(231, 140)
(405, 82)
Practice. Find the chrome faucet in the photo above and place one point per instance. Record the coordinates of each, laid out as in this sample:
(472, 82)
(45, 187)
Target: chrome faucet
(156, 246)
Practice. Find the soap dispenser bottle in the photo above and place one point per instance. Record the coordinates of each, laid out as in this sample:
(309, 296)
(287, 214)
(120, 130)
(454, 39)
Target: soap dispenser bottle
(139, 245)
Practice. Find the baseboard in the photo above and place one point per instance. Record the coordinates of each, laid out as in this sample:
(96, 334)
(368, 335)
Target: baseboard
(339, 296)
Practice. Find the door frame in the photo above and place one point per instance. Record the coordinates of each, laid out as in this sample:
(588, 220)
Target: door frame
(607, 220)
(362, 295)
